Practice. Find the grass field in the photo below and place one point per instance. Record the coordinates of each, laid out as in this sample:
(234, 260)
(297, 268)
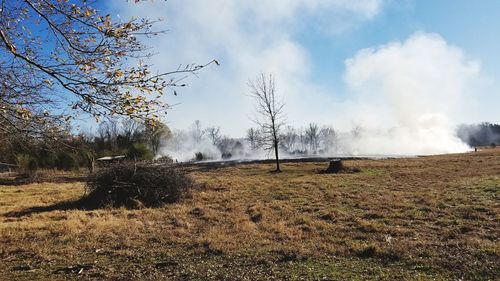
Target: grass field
(417, 219)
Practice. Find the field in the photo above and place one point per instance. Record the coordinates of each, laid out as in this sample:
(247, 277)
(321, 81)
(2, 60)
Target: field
(416, 219)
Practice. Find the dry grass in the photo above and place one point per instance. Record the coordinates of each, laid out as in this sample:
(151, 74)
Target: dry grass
(422, 218)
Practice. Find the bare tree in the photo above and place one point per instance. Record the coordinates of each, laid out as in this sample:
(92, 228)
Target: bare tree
(132, 129)
(328, 138)
(108, 132)
(213, 134)
(269, 111)
(356, 130)
(289, 139)
(302, 140)
(253, 137)
(197, 132)
(312, 135)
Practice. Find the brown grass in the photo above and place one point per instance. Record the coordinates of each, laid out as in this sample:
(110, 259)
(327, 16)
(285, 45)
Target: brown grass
(420, 218)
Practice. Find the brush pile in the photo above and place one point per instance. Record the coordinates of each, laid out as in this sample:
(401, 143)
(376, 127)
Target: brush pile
(134, 186)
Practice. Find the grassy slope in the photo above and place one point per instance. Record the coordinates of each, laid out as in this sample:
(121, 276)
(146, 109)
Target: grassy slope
(433, 217)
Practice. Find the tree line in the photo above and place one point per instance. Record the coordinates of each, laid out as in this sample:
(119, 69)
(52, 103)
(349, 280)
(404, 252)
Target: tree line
(482, 134)
(132, 138)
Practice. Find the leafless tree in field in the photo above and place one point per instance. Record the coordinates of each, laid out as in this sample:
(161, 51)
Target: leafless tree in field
(289, 139)
(109, 131)
(197, 131)
(253, 137)
(328, 138)
(356, 130)
(214, 134)
(131, 128)
(312, 134)
(269, 112)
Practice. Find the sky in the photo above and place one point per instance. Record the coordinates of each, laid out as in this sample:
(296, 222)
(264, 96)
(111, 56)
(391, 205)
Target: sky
(372, 63)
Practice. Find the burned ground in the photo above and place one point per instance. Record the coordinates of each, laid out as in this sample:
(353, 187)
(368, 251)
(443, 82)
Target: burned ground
(417, 218)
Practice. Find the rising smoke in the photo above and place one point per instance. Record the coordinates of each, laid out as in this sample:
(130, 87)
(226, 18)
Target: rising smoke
(409, 95)
(406, 98)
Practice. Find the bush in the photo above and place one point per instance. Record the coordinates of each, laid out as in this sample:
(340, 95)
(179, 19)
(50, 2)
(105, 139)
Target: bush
(165, 159)
(129, 185)
(27, 163)
(140, 151)
(22, 161)
(32, 165)
(226, 155)
(46, 158)
(198, 156)
(67, 161)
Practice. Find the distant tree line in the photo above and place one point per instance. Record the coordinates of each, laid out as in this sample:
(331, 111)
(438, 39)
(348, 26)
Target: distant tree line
(130, 137)
(311, 140)
(203, 143)
(483, 134)
(208, 143)
(70, 153)
(139, 140)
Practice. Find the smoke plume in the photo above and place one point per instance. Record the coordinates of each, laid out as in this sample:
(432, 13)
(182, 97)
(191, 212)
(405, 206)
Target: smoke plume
(404, 97)
(408, 94)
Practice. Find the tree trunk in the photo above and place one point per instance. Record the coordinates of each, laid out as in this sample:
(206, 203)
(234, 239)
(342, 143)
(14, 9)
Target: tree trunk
(335, 166)
(277, 157)
(91, 165)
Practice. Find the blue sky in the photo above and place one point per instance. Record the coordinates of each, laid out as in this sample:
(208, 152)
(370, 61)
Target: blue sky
(307, 44)
(472, 25)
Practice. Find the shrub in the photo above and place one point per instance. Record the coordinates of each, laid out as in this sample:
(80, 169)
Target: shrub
(129, 185)
(22, 161)
(28, 166)
(27, 163)
(165, 159)
(47, 158)
(198, 156)
(67, 161)
(226, 155)
(32, 165)
(86, 157)
(140, 151)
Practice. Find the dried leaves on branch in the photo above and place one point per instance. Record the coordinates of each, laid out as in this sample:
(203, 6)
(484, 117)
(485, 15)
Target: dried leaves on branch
(62, 58)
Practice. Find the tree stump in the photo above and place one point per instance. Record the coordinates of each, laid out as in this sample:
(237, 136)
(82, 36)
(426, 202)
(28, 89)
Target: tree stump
(335, 166)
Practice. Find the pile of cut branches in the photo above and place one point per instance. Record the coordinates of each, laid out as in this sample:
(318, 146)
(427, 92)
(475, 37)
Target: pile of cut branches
(132, 185)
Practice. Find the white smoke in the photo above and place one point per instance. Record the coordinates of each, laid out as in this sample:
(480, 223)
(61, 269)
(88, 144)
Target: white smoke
(404, 98)
(182, 147)
(414, 89)
(407, 96)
